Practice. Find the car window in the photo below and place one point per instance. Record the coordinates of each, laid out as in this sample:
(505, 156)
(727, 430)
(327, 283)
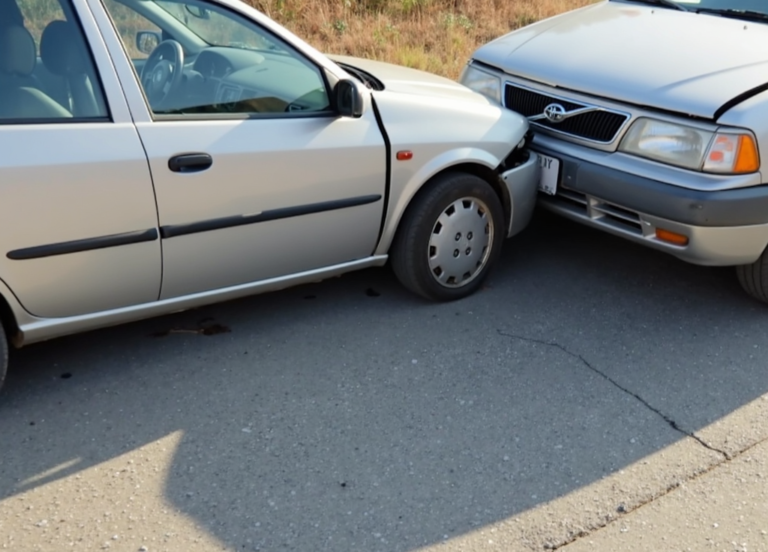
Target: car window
(39, 13)
(750, 5)
(217, 29)
(47, 72)
(734, 6)
(210, 61)
(129, 25)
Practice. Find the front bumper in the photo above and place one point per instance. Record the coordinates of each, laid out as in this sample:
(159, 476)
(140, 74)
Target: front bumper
(521, 182)
(724, 228)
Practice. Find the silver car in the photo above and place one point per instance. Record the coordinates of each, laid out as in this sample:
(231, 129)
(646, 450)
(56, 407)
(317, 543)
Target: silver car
(651, 119)
(159, 155)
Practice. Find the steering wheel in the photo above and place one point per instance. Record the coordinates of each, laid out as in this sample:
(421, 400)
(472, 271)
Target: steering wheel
(162, 72)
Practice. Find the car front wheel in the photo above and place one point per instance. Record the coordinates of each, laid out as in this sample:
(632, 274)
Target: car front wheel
(754, 278)
(450, 237)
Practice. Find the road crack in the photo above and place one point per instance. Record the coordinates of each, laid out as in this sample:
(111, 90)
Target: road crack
(667, 419)
(612, 518)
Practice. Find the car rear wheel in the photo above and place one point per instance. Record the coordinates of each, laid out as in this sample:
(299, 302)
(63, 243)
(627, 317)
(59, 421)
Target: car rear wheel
(450, 237)
(754, 278)
(3, 355)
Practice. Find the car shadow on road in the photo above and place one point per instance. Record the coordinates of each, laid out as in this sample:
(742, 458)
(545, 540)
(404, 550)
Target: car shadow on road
(349, 415)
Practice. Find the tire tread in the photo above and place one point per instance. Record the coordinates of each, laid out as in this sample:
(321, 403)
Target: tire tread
(3, 355)
(754, 278)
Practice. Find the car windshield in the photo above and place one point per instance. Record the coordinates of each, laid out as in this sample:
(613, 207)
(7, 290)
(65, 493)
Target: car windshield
(217, 29)
(744, 9)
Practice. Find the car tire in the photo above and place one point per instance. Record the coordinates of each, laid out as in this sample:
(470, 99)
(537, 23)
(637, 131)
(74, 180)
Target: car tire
(450, 238)
(3, 355)
(754, 278)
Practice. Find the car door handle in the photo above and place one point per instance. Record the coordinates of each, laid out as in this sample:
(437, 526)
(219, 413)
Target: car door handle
(190, 162)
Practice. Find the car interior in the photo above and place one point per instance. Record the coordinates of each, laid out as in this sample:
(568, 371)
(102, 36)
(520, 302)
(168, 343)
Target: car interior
(54, 78)
(235, 67)
(57, 83)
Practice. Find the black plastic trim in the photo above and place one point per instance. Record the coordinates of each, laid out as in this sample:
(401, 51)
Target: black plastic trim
(364, 76)
(733, 102)
(388, 176)
(190, 162)
(54, 121)
(174, 230)
(738, 207)
(176, 117)
(88, 244)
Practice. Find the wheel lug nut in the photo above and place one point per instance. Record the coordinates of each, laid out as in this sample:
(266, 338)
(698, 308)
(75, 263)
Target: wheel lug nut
(469, 250)
(469, 236)
(455, 252)
(458, 236)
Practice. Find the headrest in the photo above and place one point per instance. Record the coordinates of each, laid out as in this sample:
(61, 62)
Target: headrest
(60, 49)
(17, 50)
(10, 14)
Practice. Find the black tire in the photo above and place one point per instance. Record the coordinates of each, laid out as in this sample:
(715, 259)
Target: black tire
(3, 355)
(754, 278)
(418, 259)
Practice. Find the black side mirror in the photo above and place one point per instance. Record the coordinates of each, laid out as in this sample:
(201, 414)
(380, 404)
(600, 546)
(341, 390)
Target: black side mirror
(349, 100)
(147, 41)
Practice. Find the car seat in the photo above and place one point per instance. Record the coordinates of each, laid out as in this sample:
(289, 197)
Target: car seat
(64, 54)
(18, 100)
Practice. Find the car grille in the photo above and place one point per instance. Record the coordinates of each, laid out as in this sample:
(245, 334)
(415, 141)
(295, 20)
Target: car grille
(597, 126)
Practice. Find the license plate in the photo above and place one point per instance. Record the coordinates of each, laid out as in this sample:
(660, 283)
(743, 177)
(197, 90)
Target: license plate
(550, 174)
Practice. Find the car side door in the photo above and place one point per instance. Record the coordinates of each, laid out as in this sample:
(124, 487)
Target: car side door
(257, 177)
(77, 208)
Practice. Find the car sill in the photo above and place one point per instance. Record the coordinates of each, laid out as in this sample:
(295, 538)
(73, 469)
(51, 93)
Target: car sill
(33, 329)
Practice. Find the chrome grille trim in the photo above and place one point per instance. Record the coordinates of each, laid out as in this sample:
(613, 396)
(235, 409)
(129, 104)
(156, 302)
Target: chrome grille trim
(600, 126)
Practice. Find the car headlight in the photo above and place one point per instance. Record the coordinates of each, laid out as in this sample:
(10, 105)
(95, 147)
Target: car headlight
(692, 148)
(483, 82)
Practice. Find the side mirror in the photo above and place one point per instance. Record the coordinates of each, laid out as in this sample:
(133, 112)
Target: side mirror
(147, 41)
(349, 100)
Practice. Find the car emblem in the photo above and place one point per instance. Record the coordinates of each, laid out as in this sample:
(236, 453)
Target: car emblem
(555, 113)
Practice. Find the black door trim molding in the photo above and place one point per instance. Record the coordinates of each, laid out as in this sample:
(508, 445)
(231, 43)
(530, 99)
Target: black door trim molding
(174, 230)
(88, 244)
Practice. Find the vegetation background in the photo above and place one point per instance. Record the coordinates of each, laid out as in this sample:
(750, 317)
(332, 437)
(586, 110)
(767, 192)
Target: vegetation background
(434, 35)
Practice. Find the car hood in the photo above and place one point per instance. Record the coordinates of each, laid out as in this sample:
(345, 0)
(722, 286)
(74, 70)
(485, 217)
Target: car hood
(645, 55)
(405, 80)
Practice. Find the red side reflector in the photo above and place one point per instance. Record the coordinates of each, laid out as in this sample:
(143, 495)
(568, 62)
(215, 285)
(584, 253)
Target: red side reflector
(404, 155)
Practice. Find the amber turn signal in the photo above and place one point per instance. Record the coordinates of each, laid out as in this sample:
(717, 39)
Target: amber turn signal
(404, 155)
(747, 160)
(671, 237)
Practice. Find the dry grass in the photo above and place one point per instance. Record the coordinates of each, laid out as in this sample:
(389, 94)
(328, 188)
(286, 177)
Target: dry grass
(434, 35)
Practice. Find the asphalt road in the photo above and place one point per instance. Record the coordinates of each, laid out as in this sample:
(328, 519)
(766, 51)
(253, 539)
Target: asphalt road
(589, 377)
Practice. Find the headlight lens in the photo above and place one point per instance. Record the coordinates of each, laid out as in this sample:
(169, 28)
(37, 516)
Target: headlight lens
(668, 143)
(692, 148)
(487, 84)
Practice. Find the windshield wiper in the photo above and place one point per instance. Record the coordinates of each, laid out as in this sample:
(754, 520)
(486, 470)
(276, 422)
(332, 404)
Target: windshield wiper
(663, 3)
(749, 15)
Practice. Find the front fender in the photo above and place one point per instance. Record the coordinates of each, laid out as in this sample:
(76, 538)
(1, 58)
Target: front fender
(405, 184)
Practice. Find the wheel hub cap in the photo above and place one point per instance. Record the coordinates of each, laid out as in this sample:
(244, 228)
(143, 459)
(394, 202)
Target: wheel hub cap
(459, 245)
